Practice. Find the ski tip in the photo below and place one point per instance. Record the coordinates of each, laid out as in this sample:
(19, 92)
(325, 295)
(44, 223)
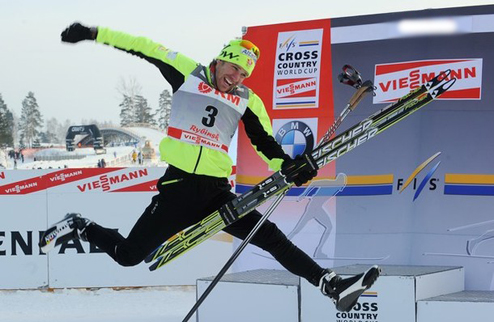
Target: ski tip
(157, 264)
(150, 257)
(448, 84)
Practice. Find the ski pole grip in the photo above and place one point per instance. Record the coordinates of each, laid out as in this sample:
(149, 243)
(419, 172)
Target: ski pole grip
(366, 87)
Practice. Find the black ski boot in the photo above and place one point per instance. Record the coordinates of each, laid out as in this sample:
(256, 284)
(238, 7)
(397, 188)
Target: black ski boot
(71, 227)
(345, 292)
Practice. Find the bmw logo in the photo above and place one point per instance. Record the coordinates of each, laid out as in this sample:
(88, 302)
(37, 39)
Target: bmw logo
(296, 138)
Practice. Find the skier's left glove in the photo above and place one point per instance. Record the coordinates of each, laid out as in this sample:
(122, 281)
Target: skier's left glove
(300, 170)
(77, 32)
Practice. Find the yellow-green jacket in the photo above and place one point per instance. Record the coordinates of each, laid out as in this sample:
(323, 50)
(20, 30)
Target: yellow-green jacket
(176, 69)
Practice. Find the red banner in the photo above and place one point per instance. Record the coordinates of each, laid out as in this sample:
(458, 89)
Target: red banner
(293, 78)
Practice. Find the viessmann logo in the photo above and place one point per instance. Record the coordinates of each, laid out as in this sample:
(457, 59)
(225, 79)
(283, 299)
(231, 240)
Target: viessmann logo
(105, 182)
(395, 80)
(65, 176)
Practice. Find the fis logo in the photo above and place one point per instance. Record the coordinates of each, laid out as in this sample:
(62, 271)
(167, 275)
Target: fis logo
(288, 44)
(427, 178)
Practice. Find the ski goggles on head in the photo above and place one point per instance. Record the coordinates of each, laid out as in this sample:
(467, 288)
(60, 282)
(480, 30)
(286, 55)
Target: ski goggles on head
(242, 53)
(250, 46)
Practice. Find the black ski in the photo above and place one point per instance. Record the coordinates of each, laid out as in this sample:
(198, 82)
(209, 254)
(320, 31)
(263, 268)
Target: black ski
(325, 153)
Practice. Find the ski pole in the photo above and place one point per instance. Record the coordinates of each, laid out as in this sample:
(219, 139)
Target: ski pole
(237, 252)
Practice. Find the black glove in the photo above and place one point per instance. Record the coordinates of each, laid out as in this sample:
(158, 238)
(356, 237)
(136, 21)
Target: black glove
(300, 170)
(77, 32)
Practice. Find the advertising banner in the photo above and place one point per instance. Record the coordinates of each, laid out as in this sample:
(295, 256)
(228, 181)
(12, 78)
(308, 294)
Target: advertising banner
(421, 193)
(112, 197)
(292, 78)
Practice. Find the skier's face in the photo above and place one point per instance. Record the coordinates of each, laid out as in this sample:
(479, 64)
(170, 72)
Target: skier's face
(228, 76)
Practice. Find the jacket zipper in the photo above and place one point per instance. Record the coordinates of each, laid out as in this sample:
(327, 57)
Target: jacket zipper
(198, 159)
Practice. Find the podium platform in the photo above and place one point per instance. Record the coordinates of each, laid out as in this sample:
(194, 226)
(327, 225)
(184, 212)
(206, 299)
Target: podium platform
(274, 295)
(392, 298)
(258, 295)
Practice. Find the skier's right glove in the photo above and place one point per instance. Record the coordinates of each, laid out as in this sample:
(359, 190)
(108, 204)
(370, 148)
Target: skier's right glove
(300, 170)
(77, 32)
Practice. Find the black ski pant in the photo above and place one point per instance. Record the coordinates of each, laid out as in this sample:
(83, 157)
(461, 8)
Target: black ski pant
(183, 200)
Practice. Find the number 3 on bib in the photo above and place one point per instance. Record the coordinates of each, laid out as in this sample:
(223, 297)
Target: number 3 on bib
(209, 120)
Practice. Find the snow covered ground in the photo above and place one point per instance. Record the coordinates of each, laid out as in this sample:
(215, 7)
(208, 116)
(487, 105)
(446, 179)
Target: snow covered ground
(156, 304)
(149, 304)
(118, 156)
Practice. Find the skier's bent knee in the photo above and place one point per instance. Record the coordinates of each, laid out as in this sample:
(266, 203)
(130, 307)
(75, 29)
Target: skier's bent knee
(126, 258)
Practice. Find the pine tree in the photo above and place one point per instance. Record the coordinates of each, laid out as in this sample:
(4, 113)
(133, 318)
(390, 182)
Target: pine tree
(130, 90)
(127, 110)
(6, 125)
(164, 109)
(31, 120)
(142, 111)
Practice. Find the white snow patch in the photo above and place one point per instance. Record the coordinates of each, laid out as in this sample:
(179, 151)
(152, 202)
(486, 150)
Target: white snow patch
(150, 304)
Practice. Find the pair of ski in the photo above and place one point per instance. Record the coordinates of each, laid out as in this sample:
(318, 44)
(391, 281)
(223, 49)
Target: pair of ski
(326, 152)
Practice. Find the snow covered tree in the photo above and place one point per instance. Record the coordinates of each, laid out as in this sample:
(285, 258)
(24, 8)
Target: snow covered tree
(31, 120)
(6, 125)
(142, 111)
(134, 107)
(51, 135)
(127, 110)
(164, 109)
(62, 129)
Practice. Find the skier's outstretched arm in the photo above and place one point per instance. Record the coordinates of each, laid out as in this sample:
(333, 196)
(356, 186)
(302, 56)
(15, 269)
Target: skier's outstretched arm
(174, 66)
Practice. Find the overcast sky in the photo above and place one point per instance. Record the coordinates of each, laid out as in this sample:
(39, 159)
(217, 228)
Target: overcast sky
(80, 81)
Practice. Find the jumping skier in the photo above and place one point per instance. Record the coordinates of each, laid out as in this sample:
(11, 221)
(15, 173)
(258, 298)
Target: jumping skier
(208, 103)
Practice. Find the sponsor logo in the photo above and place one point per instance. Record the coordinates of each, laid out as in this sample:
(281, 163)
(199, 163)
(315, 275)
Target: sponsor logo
(229, 55)
(19, 188)
(77, 129)
(297, 87)
(64, 176)
(288, 43)
(296, 138)
(197, 139)
(194, 138)
(428, 178)
(206, 89)
(397, 79)
(205, 133)
(250, 54)
(344, 143)
(105, 182)
(297, 69)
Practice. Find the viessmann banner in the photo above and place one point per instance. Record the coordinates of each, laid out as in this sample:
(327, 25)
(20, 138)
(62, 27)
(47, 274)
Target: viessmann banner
(420, 193)
(112, 197)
